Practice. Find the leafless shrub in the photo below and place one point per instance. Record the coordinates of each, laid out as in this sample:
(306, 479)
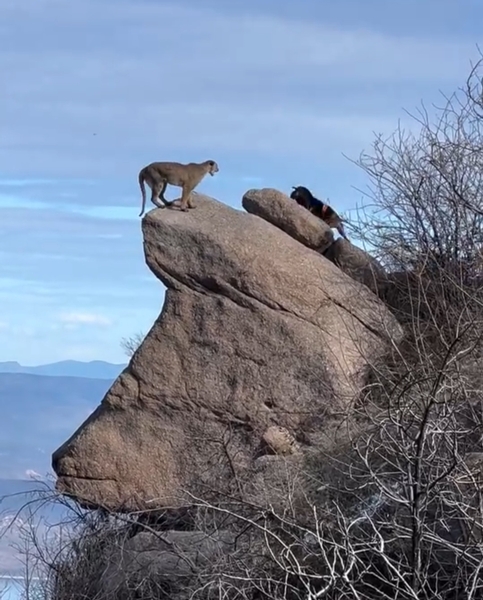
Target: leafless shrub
(423, 215)
(131, 344)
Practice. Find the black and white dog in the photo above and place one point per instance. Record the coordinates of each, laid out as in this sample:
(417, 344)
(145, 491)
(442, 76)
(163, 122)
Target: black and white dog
(305, 198)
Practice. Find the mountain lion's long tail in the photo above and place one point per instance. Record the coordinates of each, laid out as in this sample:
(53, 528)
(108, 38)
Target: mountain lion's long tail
(143, 191)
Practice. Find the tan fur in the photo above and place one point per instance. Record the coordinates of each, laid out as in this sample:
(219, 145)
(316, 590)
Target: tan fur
(186, 176)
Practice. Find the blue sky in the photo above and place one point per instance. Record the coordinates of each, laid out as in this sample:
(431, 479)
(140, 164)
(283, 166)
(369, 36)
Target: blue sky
(275, 91)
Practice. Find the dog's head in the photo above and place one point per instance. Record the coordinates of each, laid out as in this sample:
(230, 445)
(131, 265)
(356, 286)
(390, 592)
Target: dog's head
(301, 195)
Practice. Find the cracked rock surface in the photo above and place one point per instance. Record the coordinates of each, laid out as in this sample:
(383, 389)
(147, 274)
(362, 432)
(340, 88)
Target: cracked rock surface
(256, 330)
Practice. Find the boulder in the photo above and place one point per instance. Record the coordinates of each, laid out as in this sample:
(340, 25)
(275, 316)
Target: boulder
(278, 440)
(256, 330)
(280, 210)
(358, 264)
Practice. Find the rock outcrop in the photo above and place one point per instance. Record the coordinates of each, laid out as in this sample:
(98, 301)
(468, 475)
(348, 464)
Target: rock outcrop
(257, 330)
(274, 206)
(358, 264)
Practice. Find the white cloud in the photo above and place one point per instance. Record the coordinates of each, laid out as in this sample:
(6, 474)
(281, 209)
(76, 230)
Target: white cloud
(31, 474)
(83, 318)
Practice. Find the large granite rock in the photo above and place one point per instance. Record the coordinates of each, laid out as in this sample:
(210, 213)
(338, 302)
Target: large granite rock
(283, 212)
(358, 264)
(256, 330)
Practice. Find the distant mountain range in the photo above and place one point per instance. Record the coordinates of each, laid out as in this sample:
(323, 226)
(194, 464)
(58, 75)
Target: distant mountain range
(37, 414)
(40, 407)
(96, 369)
